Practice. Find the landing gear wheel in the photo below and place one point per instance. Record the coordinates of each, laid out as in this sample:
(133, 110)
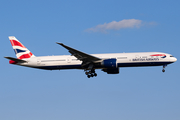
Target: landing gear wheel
(88, 76)
(90, 73)
(86, 73)
(95, 74)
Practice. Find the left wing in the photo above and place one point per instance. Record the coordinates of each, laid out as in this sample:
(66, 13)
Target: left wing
(86, 58)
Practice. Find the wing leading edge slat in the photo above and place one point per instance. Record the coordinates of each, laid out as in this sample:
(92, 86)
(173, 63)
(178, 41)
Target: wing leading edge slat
(80, 55)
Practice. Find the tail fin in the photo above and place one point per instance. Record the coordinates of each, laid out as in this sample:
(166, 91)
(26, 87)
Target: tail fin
(20, 50)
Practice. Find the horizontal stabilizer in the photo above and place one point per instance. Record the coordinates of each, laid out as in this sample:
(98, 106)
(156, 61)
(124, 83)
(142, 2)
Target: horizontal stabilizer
(15, 59)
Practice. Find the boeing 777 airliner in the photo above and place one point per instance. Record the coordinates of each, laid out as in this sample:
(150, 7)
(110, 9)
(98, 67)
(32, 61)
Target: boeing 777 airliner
(109, 63)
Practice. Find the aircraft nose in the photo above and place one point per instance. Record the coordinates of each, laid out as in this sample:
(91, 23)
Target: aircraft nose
(174, 59)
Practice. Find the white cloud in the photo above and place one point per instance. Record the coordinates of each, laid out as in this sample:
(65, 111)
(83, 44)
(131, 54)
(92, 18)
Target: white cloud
(126, 23)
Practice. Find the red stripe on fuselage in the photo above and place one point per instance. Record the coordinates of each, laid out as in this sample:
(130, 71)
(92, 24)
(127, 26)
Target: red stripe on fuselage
(16, 43)
(25, 56)
(159, 55)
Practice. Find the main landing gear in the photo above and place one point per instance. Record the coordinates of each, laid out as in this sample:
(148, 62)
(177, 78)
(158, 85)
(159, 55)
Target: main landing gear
(164, 66)
(90, 73)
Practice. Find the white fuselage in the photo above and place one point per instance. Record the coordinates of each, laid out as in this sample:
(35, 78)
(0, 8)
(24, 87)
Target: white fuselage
(123, 60)
(108, 63)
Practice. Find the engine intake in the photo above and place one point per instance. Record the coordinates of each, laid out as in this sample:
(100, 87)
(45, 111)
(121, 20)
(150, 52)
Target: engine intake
(109, 63)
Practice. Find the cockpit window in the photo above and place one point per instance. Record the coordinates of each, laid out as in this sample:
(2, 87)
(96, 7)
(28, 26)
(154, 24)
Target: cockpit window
(171, 56)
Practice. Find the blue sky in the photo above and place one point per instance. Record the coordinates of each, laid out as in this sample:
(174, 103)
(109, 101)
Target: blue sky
(143, 93)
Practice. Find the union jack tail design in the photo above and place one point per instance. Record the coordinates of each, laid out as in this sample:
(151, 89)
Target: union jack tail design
(20, 50)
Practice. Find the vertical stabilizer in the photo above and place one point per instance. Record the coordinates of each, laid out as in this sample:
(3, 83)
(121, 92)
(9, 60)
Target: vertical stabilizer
(20, 50)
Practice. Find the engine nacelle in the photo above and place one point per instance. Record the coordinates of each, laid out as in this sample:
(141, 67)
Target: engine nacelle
(109, 63)
(111, 70)
(110, 66)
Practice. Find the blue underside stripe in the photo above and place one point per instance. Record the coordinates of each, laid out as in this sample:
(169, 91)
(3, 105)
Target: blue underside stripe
(119, 65)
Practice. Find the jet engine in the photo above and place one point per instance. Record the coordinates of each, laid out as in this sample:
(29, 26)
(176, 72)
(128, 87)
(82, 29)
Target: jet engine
(109, 63)
(110, 66)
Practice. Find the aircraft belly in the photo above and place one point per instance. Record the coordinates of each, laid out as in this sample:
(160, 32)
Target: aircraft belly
(140, 64)
(58, 67)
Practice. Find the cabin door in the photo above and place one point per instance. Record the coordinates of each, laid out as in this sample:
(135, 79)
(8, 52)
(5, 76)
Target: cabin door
(38, 61)
(68, 60)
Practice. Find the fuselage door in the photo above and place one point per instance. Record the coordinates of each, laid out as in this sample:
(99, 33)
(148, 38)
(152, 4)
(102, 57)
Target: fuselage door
(137, 56)
(38, 61)
(68, 60)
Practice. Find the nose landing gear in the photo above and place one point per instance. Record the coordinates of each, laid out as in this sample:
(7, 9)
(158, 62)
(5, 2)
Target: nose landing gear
(164, 66)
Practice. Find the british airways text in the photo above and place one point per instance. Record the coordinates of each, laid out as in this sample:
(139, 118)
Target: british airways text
(145, 59)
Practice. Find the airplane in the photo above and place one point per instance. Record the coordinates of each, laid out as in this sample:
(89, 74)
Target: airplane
(109, 63)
